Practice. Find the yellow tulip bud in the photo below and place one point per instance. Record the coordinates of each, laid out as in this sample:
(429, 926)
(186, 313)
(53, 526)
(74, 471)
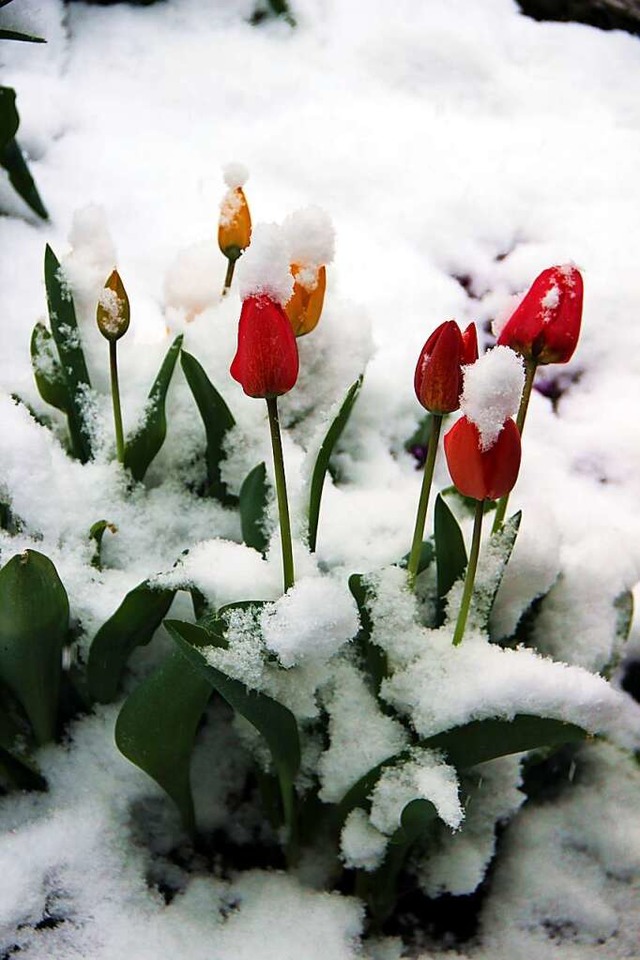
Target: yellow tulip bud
(113, 314)
(234, 227)
(305, 305)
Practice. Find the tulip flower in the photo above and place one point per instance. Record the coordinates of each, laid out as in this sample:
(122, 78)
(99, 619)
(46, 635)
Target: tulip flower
(266, 361)
(484, 474)
(305, 306)
(234, 225)
(544, 328)
(438, 385)
(112, 317)
(545, 325)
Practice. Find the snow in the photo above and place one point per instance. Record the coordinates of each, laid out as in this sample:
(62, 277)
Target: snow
(491, 391)
(264, 268)
(425, 776)
(458, 149)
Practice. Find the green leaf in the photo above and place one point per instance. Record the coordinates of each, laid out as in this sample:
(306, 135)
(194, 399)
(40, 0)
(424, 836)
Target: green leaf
(375, 659)
(416, 819)
(64, 328)
(142, 447)
(254, 494)
(427, 554)
(96, 533)
(16, 35)
(13, 161)
(132, 625)
(9, 119)
(217, 419)
(34, 623)
(324, 455)
(48, 374)
(501, 546)
(274, 721)
(623, 605)
(157, 725)
(482, 740)
(451, 555)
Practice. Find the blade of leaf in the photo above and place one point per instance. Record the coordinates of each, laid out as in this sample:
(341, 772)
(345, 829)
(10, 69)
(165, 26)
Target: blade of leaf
(451, 555)
(16, 35)
(217, 420)
(501, 546)
(9, 119)
(48, 374)
(482, 740)
(34, 624)
(274, 721)
(132, 625)
(142, 447)
(64, 328)
(417, 818)
(373, 656)
(324, 455)
(157, 725)
(254, 494)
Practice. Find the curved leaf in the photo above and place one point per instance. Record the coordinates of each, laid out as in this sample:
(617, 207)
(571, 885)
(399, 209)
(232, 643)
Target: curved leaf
(254, 494)
(34, 624)
(132, 625)
(375, 659)
(145, 443)
(274, 721)
(157, 725)
(324, 455)
(64, 328)
(416, 819)
(47, 372)
(9, 119)
(501, 546)
(217, 420)
(451, 555)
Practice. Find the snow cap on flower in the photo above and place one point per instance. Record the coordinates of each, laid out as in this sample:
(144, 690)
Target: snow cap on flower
(235, 175)
(491, 392)
(264, 269)
(310, 237)
(544, 326)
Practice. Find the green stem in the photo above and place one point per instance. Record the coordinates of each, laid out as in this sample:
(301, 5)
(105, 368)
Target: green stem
(421, 515)
(115, 396)
(231, 265)
(470, 576)
(530, 367)
(281, 493)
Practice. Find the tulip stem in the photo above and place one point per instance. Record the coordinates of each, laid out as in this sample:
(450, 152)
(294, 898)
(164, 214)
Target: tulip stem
(115, 397)
(231, 265)
(470, 575)
(423, 503)
(530, 373)
(281, 493)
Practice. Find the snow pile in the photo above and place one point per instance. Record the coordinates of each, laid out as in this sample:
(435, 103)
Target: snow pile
(264, 267)
(492, 387)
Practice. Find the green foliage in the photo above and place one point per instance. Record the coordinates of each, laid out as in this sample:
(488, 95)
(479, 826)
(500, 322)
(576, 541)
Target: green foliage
(146, 442)
(132, 625)
(324, 455)
(254, 496)
(451, 555)
(34, 624)
(217, 420)
(373, 657)
(11, 156)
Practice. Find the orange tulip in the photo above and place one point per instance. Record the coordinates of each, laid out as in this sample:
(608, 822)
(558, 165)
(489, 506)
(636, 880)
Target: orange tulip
(306, 302)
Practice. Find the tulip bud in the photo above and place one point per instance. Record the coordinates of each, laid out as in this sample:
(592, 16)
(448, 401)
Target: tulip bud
(305, 306)
(234, 226)
(113, 313)
(545, 326)
(266, 361)
(438, 376)
(483, 474)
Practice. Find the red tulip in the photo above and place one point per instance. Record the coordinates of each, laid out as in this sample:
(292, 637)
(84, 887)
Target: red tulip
(266, 361)
(438, 377)
(482, 474)
(545, 325)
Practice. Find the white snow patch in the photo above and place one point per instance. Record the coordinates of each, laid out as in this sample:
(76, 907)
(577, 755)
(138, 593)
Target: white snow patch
(492, 387)
(264, 267)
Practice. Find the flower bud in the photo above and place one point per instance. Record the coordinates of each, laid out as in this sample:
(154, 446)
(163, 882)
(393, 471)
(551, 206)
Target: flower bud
(305, 306)
(234, 226)
(113, 313)
(266, 360)
(545, 326)
(438, 376)
(483, 474)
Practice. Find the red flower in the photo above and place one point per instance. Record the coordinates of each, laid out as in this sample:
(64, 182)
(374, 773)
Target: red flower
(266, 361)
(482, 474)
(545, 325)
(438, 377)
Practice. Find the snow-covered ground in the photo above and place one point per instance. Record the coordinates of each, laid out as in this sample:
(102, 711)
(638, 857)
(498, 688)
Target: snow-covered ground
(459, 149)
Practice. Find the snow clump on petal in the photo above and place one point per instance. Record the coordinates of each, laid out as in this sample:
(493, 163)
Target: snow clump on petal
(310, 236)
(491, 392)
(235, 175)
(264, 268)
